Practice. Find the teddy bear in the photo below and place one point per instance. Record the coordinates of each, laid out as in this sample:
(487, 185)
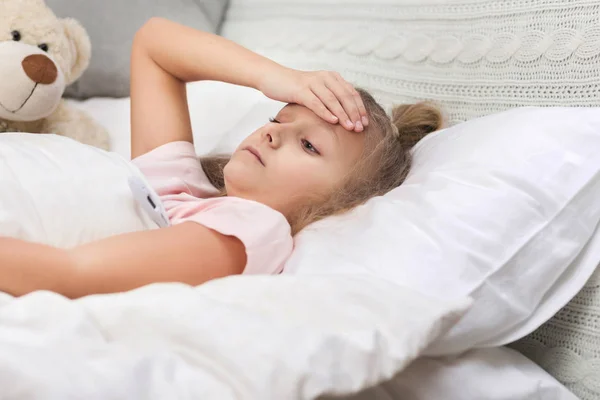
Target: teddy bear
(40, 55)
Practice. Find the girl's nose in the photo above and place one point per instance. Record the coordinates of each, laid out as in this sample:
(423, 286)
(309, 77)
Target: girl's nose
(273, 138)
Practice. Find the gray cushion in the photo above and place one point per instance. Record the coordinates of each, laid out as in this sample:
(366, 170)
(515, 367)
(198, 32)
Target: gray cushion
(112, 24)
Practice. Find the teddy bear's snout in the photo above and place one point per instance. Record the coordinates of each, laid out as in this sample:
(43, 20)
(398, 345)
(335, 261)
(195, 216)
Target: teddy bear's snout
(40, 69)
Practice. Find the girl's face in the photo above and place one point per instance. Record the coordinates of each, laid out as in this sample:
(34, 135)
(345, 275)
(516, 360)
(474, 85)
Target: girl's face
(292, 159)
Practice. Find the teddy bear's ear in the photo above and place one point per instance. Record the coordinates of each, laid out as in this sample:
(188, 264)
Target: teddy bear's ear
(81, 48)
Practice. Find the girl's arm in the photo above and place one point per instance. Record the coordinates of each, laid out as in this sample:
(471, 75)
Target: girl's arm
(188, 252)
(165, 55)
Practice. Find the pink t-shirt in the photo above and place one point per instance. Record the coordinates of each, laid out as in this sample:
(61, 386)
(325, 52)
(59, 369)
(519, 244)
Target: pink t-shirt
(174, 172)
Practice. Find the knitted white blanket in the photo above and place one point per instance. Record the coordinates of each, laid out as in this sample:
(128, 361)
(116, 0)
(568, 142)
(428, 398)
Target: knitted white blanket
(475, 57)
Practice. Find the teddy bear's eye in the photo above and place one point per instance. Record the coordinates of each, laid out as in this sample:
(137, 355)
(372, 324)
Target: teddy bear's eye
(16, 35)
(43, 46)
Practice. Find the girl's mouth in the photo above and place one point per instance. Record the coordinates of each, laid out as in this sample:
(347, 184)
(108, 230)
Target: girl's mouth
(255, 153)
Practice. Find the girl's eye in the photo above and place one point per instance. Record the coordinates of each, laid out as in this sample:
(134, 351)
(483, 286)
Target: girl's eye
(273, 120)
(309, 147)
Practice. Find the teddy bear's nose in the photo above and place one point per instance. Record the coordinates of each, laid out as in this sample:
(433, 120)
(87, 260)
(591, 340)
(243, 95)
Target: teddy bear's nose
(40, 69)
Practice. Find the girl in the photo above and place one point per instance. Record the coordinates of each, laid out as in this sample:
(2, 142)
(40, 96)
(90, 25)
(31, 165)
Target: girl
(330, 149)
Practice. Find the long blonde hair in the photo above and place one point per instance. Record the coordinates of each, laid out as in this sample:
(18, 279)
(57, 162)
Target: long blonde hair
(384, 165)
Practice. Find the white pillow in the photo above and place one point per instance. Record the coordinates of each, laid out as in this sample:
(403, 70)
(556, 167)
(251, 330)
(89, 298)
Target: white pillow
(496, 208)
(496, 373)
(59, 192)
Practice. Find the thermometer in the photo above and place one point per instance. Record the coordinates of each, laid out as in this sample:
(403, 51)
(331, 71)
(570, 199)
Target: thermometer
(149, 201)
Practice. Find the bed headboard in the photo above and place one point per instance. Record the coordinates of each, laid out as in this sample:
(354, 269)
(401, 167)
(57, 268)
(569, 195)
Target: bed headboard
(474, 57)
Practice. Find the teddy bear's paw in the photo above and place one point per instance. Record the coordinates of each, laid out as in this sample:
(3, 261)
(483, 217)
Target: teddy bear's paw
(102, 141)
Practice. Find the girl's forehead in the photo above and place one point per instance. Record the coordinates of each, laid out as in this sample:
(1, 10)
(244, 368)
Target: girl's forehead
(291, 110)
(349, 143)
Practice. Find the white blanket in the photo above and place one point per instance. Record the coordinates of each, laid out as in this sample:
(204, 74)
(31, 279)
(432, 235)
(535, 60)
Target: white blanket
(56, 191)
(270, 337)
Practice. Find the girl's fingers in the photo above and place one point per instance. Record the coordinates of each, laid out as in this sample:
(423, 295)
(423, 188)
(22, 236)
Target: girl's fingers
(359, 103)
(346, 96)
(331, 101)
(313, 103)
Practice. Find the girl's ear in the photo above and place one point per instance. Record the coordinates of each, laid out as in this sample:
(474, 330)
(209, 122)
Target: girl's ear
(80, 47)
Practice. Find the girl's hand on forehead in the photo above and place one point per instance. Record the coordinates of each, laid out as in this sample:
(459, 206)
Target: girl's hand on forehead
(325, 93)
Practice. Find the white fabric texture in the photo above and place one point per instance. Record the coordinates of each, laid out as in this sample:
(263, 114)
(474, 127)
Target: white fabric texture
(495, 373)
(259, 337)
(568, 345)
(475, 57)
(59, 192)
